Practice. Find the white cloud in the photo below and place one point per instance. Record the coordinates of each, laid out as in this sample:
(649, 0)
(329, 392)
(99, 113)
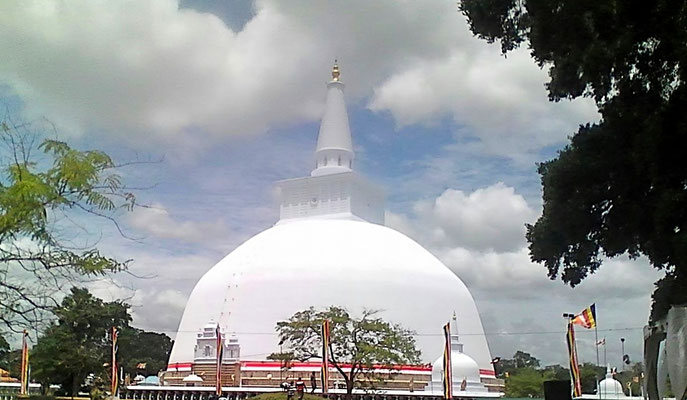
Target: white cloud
(488, 218)
(501, 101)
(157, 221)
(149, 70)
(149, 67)
(152, 307)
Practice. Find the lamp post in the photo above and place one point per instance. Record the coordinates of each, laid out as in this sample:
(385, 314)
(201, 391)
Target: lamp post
(622, 350)
(282, 366)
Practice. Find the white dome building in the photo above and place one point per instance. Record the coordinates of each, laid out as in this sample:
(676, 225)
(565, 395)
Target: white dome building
(465, 372)
(609, 388)
(330, 248)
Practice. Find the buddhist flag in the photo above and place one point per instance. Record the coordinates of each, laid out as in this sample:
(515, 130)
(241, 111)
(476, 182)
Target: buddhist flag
(220, 351)
(114, 384)
(574, 365)
(324, 374)
(587, 318)
(448, 379)
(24, 388)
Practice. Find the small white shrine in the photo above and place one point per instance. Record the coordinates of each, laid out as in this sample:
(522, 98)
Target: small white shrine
(465, 371)
(609, 387)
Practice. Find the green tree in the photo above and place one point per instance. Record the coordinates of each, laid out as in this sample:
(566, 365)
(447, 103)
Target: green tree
(590, 375)
(78, 343)
(556, 372)
(42, 247)
(525, 360)
(4, 347)
(520, 359)
(139, 347)
(525, 382)
(285, 358)
(356, 343)
(619, 186)
(8, 358)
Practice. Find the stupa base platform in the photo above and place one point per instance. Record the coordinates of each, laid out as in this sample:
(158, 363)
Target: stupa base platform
(140, 392)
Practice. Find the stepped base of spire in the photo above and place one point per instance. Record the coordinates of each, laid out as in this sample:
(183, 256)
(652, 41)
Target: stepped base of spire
(331, 194)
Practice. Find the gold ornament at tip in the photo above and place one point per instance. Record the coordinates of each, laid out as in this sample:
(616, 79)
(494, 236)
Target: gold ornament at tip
(335, 72)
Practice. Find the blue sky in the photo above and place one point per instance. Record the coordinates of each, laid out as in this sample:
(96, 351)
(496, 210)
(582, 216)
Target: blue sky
(224, 98)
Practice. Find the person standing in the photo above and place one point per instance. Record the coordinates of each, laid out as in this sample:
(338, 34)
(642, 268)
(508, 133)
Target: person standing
(313, 382)
(300, 388)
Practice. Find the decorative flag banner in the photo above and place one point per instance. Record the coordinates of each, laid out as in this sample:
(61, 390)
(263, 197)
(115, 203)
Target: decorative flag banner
(324, 374)
(574, 366)
(448, 376)
(24, 388)
(220, 352)
(587, 318)
(115, 376)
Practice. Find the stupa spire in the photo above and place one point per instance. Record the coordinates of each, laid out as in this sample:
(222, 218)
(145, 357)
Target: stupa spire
(334, 152)
(456, 345)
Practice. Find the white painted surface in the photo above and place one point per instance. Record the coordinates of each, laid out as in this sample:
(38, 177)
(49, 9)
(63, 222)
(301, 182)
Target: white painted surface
(334, 152)
(323, 262)
(337, 195)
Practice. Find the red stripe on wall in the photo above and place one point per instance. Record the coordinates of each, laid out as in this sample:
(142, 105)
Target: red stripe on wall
(273, 364)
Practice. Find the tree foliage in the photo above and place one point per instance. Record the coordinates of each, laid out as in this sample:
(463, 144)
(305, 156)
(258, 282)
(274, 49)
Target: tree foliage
(139, 347)
(590, 375)
(619, 186)
(525, 382)
(47, 191)
(356, 343)
(520, 359)
(78, 344)
(6, 356)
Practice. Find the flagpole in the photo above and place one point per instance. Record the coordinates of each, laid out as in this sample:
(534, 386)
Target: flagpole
(596, 336)
(605, 362)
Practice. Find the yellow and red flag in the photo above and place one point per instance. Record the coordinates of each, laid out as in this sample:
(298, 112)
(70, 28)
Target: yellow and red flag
(587, 318)
(574, 365)
(114, 384)
(324, 374)
(448, 375)
(24, 388)
(220, 353)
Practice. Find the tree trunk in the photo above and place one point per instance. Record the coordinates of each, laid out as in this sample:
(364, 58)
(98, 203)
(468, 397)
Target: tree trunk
(75, 390)
(349, 388)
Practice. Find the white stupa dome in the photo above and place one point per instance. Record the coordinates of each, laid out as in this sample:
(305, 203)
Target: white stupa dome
(609, 388)
(192, 379)
(464, 369)
(329, 248)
